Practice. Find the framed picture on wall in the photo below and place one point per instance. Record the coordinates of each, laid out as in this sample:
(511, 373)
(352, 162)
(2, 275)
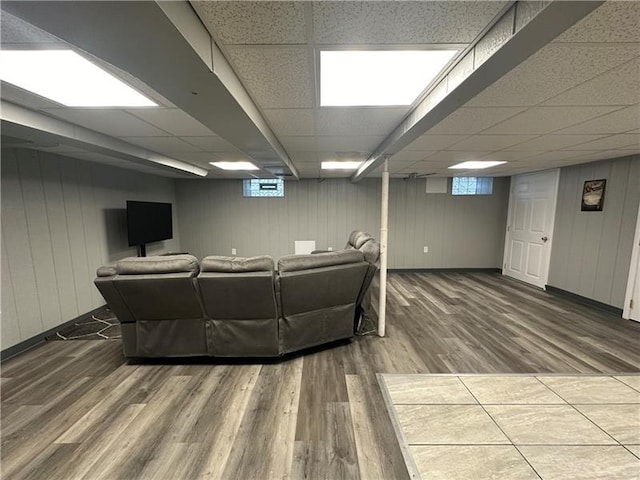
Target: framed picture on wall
(593, 195)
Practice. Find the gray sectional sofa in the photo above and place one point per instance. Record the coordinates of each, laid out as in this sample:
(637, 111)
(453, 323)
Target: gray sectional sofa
(232, 306)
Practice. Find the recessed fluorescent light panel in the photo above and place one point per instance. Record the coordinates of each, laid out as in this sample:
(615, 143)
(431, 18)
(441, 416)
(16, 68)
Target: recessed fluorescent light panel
(475, 165)
(234, 165)
(67, 78)
(340, 165)
(373, 77)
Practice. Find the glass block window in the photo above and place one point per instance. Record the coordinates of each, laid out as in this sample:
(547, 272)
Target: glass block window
(472, 186)
(263, 187)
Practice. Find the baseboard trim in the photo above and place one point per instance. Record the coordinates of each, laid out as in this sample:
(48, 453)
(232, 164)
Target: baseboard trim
(443, 270)
(583, 300)
(32, 342)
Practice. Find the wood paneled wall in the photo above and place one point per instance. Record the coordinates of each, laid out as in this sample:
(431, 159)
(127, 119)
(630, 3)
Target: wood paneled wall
(61, 219)
(592, 250)
(463, 231)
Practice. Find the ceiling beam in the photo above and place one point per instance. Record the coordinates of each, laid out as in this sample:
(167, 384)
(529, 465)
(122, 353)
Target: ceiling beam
(166, 46)
(27, 124)
(512, 39)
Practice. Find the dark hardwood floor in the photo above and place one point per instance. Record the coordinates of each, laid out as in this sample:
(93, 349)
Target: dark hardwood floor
(78, 410)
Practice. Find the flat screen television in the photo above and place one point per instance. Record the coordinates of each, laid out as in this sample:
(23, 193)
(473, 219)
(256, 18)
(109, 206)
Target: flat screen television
(148, 222)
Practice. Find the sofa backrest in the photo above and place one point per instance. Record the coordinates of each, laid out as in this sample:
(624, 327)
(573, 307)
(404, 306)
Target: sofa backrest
(236, 288)
(317, 296)
(239, 299)
(159, 287)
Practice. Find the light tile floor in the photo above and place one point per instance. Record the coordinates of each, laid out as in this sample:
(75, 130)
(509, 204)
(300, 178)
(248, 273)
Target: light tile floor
(474, 427)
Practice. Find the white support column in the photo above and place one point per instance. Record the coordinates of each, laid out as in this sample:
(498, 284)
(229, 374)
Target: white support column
(384, 220)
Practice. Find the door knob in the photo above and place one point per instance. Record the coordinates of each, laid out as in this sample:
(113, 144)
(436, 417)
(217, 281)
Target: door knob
(544, 239)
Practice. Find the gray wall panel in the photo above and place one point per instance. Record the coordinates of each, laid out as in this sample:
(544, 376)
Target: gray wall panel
(20, 259)
(60, 245)
(39, 238)
(460, 231)
(592, 250)
(10, 328)
(61, 219)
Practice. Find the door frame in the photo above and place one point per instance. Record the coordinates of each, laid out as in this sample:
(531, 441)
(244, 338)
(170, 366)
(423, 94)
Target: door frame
(507, 234)
(634, 275)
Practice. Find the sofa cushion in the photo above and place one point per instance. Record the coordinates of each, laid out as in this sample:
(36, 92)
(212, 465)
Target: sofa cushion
(157, 264)
(263, 263)
(106, 271)
(293, 263)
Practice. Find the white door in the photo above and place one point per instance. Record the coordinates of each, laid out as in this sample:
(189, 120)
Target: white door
(532, 208)
(632, 298)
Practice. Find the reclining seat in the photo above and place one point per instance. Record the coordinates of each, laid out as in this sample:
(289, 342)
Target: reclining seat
(239, 300)
(317, 296)
(162, 297)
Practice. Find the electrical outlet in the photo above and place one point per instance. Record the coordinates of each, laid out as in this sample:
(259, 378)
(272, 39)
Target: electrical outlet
(330, 249)
(233, 251)
(425, 249)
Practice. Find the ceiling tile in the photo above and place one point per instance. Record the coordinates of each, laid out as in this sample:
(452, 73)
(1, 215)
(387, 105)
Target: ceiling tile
(248, 23)
(299, 144)
(397, 166)
(358, 121)
(308, 167)
(509, 156)
(474, 120)
(117, 123)
(611, 142)
(620, 86)
(172, 120)
(611, 22)
(276, 76)
(349, 144)
(303, 157)
(552, 70)
(427, 166)
(291, 121)
(615, 122)
(541, 120)
(434, 142)
(210, 144)
(230, 156)
(342, 156)
(161, 144)
(487, 143)
(388, 22)
(553, 142)
(548, 156)
(410, 156)
(453, 157)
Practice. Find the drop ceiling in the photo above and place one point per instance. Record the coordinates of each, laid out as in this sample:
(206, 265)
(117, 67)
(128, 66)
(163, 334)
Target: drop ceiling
(575, 100)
